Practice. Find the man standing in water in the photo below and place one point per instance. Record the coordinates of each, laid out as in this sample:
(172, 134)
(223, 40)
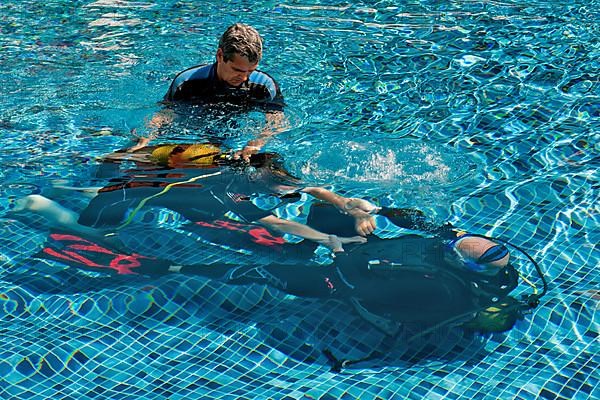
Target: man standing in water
(232, 79)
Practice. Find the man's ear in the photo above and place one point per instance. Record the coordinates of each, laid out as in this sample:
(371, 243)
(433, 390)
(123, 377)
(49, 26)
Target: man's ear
(219, 55)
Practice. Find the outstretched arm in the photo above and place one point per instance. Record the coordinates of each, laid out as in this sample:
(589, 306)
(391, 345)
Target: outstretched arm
(360, 209)
(158, 120)
(275, 123)
(333, 242)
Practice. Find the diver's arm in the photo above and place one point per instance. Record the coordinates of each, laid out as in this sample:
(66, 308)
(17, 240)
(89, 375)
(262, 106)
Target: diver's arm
(140, 144)
(360, 209)
(333, 242)
(158, 120)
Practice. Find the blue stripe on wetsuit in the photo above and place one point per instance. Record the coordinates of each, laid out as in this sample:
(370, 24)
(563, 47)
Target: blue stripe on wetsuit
(262, 79)
(200, 72)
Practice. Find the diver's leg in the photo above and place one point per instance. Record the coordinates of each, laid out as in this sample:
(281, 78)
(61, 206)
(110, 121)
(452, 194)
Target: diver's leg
(59, 188)
(57, 215)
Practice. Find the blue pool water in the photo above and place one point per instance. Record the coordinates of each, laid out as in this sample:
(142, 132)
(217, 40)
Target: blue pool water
(485, 114)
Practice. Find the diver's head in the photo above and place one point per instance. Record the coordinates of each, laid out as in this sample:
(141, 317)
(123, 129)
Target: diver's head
(240, 50)
(481, 254)
(242, 40)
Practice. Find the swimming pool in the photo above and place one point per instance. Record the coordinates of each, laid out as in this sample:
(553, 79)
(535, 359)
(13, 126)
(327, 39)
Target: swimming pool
(482, 113)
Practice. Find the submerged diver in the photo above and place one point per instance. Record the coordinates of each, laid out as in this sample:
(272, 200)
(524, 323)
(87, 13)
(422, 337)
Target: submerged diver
(203, 184)
(431, 276)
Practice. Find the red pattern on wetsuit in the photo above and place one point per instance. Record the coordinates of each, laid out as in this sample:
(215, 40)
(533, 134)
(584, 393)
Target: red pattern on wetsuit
(259, 235)
(80, 250)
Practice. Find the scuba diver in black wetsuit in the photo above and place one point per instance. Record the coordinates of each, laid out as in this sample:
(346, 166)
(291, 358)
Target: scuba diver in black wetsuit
(433, 276)
(203, 185)
(445, 275)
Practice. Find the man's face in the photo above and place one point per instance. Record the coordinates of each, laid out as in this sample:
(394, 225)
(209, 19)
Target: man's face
(235, 71)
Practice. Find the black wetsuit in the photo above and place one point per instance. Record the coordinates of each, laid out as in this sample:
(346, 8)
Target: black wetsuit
(208, 194)
(209, 108)
(200, 84)
(410, 279)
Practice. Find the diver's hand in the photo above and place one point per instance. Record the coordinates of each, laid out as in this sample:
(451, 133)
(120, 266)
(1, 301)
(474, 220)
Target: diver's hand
(362, 211)
(365, 225)
(334, 243)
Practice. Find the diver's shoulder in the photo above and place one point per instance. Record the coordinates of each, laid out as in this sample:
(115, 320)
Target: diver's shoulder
(197, 72)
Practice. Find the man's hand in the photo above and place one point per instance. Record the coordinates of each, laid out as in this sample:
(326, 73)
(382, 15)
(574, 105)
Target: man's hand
(333, 242)
(158, 120)
(246, 153)
(360, 209)
(141, 143)
(275, 122)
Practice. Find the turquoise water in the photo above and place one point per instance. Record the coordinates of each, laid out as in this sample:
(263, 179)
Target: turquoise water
(484, 114)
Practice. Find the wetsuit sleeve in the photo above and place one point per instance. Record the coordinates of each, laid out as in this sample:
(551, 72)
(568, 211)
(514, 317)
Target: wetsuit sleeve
(192, 83)
(169, 96)
(413, 219)
(276, 104)
(266, 92)
(175, 84)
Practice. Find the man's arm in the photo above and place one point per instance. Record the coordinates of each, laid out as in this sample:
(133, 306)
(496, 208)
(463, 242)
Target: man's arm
(160, 119)
(360, 209)
(333, 242)
(275, 122)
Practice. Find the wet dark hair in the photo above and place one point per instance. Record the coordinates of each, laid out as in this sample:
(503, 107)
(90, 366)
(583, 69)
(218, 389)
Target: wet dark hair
(243, 40)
